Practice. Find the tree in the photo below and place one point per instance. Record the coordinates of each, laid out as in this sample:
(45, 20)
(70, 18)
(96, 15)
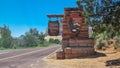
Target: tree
(34, 32)
(6, 37)
(104, 17)
(30, 41)
(31, 38)
(16, 43)
(42, 37)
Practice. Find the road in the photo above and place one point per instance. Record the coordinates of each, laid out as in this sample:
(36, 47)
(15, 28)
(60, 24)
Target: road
(24, 58)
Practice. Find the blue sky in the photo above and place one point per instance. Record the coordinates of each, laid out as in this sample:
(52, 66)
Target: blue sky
(21, 15)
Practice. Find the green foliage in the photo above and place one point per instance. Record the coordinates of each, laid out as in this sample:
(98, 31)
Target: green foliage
(6, 37)
(17, 43)
(101, 40)
(31, 38)
(117, 40)
(45, 44)
(51, 40)
(34, 32)
(42, 37)
(1, 48)
(56, 41)
(30, 41)
(104, 17)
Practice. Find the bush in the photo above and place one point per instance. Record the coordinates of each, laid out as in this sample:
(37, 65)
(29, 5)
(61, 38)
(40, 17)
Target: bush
(56, 41)
(101, 40)
(51, 40)
(117, 42)
(45, 44)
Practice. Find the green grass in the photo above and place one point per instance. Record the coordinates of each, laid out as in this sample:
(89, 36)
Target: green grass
(45, 45)
(38, 46)
(2, 48)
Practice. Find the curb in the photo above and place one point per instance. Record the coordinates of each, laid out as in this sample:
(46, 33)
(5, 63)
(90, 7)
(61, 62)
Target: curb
(52, 53)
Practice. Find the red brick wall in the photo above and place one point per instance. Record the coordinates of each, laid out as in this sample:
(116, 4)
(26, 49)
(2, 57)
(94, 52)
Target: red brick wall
(77, 17)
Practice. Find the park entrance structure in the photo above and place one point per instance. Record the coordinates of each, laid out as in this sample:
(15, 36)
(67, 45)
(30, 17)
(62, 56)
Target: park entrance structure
(75, 36)
(53, 26)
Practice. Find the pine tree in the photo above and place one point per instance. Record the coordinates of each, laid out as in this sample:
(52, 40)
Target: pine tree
(104, 17)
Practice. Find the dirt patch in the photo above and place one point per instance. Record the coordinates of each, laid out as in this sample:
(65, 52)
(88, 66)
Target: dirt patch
(97, 61)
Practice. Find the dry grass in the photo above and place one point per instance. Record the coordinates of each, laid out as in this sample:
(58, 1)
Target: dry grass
(96, 61)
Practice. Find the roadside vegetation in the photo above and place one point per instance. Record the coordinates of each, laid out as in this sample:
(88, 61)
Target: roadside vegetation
(31, 39)
(104, 18)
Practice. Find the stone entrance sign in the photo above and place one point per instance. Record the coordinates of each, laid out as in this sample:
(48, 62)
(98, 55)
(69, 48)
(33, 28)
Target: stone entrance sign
(75, 37)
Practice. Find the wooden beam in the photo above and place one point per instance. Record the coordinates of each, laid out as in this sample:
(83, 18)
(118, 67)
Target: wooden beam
(55, 15)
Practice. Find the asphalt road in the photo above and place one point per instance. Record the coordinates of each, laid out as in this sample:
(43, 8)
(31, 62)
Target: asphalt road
(24, 58)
